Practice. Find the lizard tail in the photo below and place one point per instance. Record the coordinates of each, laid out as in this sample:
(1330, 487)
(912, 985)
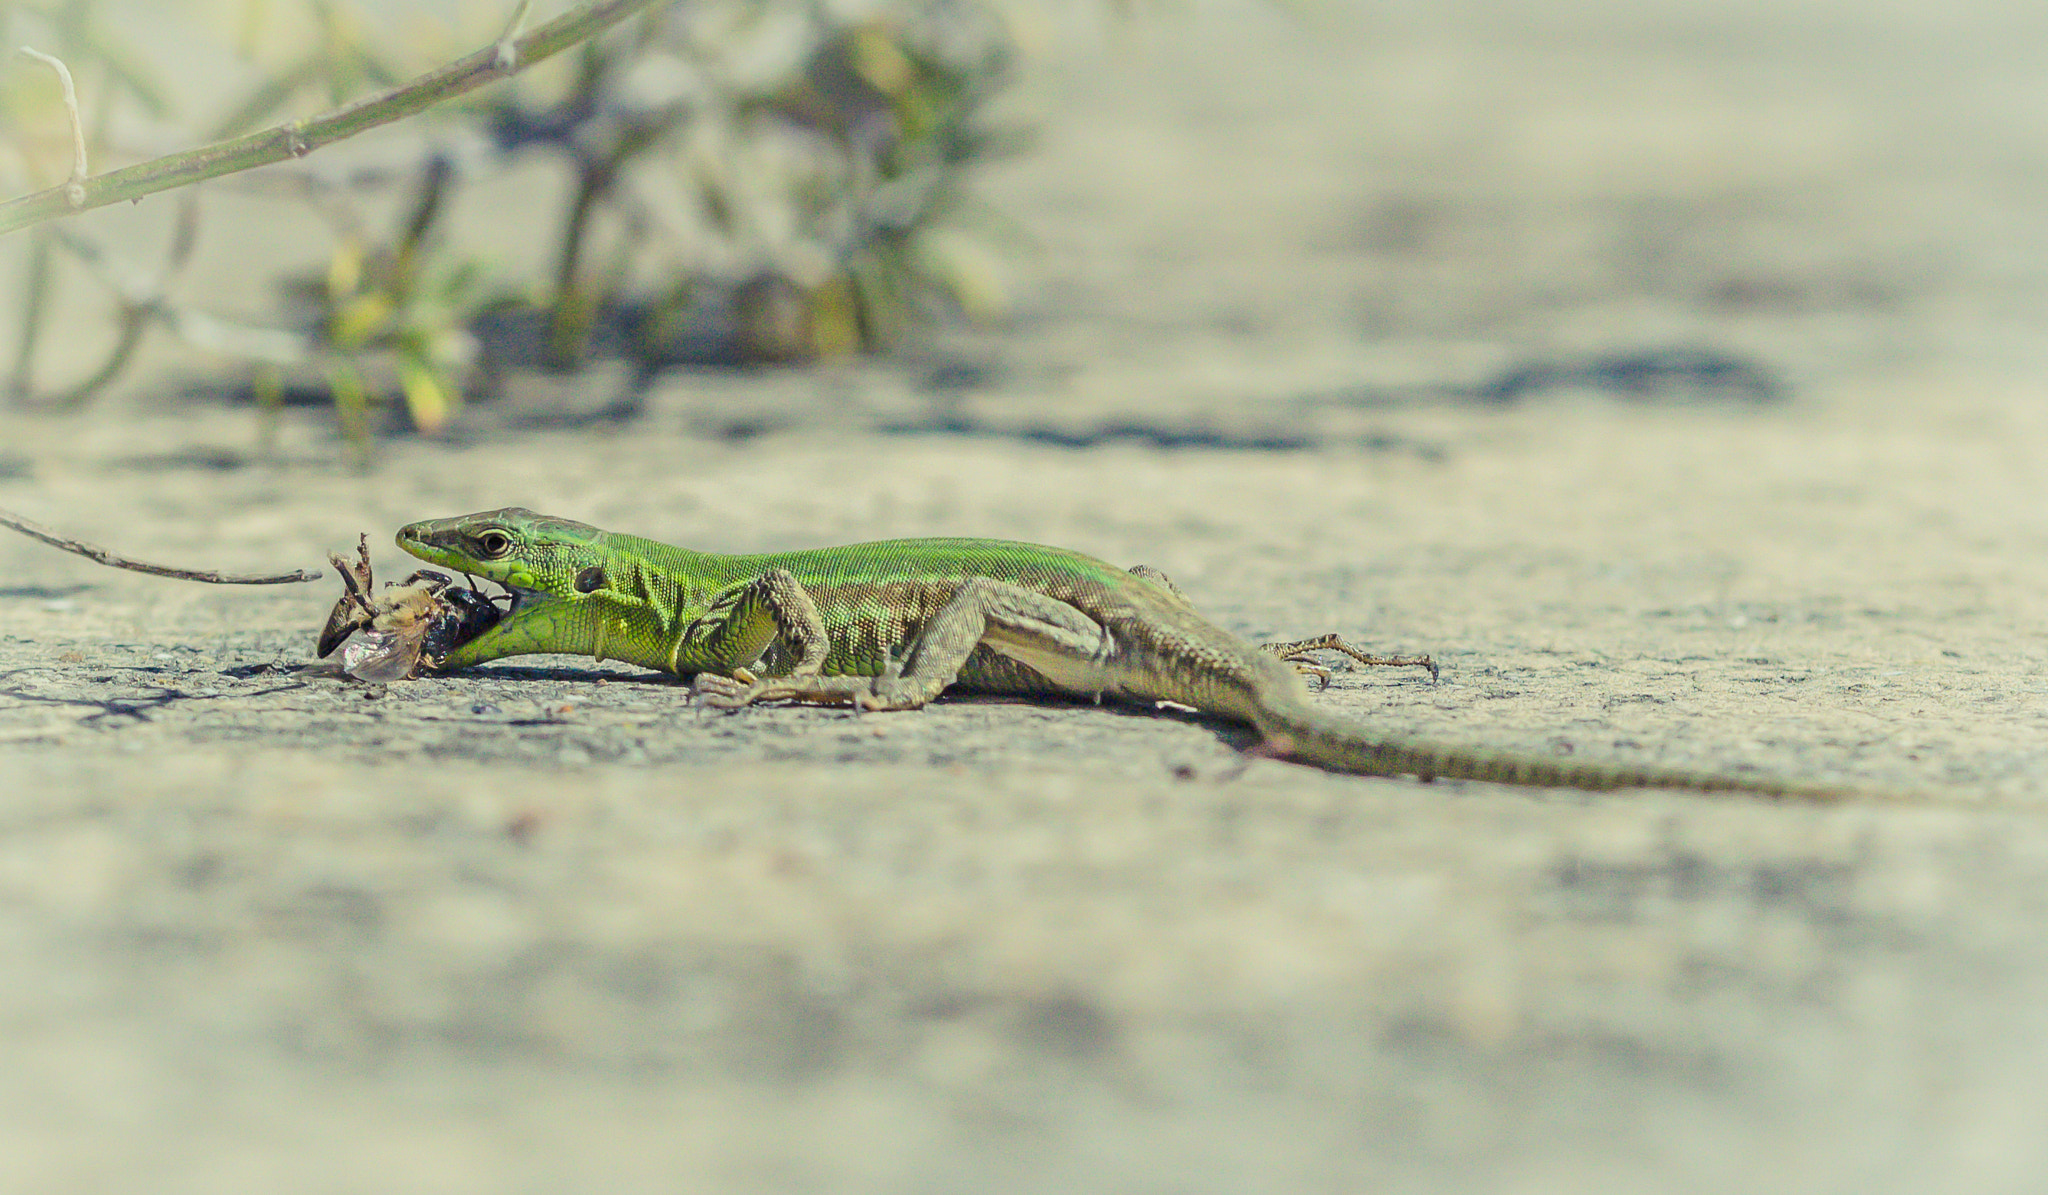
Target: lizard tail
(1299, 731)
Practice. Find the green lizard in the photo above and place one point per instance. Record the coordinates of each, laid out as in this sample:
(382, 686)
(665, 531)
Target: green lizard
(890, 625)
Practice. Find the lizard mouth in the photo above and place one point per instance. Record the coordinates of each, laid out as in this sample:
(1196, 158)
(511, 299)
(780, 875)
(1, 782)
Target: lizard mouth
(516, 599)
(461, 632)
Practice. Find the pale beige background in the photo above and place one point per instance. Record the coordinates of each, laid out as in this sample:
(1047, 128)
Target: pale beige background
(520, 931)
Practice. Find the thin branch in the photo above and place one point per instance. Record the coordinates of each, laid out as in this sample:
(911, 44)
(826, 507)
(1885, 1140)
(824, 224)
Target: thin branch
(299, 138)
(74, 188)
(143, 296)
(35, 303)
(15, 522)
(139, 296)
(134, 322)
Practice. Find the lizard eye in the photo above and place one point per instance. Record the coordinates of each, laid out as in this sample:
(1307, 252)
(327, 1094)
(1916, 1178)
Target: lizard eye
(493, 544)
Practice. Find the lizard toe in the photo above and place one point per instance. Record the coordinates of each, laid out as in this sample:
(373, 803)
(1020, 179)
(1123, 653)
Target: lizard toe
(722, 692)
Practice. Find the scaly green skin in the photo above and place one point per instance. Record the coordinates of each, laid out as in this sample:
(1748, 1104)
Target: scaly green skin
(888, 625)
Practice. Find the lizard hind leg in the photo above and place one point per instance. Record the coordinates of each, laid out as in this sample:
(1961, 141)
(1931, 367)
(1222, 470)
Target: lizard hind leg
(1045, 634)
(1066, 647)
(1299, 654)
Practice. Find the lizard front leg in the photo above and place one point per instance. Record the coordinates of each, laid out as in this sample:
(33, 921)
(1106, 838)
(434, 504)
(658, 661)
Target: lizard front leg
(1049, 636)
(720, 644)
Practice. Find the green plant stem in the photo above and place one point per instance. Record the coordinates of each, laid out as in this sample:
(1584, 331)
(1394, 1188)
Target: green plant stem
(299, 138)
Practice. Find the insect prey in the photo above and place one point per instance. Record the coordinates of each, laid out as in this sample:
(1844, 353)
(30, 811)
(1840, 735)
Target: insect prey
(396, 632)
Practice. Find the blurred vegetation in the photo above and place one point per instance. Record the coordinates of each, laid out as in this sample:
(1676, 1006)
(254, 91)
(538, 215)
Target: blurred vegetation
(752, 181)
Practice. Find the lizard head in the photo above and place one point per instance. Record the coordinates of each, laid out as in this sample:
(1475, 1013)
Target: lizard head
(545, 563)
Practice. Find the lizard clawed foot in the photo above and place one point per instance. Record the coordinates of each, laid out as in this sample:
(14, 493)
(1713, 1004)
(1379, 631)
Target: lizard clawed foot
(1307, 666)
(866, 697)
(890, 691)
(1298, 655)
(885, 692)
(724, 692)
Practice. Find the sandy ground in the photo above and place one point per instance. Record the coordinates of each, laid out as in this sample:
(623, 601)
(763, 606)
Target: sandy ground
(544, 928)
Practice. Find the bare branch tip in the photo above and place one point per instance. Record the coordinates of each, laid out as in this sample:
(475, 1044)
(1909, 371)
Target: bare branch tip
(74, 191)
(508, 42)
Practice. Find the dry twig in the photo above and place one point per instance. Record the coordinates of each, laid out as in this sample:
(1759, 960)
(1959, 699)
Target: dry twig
(94, 552)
